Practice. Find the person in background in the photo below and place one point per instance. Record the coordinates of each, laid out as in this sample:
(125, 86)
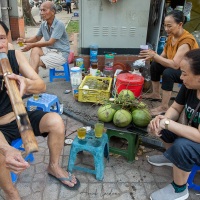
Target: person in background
(54, 50)
(182, 142)
(167, 64)
(69, 9)
(44, 124)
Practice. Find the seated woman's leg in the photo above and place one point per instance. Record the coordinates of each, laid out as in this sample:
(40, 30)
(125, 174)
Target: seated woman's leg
(156, 71)
(183, 154)
(170, 76)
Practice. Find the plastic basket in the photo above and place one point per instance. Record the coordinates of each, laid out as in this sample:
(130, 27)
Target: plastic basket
(95, 93)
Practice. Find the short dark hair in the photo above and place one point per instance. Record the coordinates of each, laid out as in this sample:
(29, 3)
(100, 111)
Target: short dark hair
(4, 27)
(194, 60)
(178, 16)
(53, 7)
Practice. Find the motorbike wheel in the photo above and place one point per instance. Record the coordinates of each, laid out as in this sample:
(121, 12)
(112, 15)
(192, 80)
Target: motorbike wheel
(58, 8)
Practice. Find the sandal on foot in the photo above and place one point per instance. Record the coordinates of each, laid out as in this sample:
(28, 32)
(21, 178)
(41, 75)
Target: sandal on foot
(75, 187)
(153, 99)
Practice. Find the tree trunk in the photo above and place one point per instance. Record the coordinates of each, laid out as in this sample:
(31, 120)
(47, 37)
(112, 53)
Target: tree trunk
(28, 18)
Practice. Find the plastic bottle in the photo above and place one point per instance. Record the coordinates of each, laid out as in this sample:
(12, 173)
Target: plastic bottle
(108, 68)
(80, 63)
(93, 52)
(93, 67)
(161, 44)
(76, 78)
(136, 71)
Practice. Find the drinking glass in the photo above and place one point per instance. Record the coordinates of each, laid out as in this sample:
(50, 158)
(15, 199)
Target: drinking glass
(81, 133)
(35, 97)
(21, 44)
(98, 129)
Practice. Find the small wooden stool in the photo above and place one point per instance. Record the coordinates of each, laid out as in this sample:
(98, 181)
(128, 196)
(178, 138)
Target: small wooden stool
(97, 147)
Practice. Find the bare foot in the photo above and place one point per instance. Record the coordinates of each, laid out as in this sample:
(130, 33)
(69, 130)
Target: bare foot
(160, 110)
(58, 172)
(151, 96)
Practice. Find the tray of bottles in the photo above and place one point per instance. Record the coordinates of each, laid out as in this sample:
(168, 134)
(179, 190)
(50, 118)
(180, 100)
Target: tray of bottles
(95, 89)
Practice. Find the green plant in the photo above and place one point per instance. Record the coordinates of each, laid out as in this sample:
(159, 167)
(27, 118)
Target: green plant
(73, 27)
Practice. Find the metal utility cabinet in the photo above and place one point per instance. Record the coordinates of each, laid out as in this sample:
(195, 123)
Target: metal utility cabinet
(120, 27)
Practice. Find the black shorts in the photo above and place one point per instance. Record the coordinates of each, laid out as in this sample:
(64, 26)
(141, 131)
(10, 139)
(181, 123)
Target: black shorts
(11, 131)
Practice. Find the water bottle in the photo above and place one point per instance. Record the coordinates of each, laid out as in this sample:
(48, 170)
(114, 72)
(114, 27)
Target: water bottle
(161, 44)
(76, 78)
(108, 68)
(93, 52)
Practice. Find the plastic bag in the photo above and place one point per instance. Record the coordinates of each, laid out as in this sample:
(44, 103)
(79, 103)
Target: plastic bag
(71, 57)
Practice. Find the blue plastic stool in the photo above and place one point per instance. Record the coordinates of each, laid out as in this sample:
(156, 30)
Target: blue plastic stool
(45, 103)
(179, 85)
(191, 178)
(97, 147)
(65, 73)
(17, 144)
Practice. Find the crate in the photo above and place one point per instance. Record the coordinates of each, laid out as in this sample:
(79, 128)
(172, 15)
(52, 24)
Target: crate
(94, 95)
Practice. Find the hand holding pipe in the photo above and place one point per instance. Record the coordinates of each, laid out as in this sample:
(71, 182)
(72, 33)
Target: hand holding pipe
(25, 129)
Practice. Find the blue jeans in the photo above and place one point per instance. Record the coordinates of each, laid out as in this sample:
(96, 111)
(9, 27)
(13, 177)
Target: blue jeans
(183, 153)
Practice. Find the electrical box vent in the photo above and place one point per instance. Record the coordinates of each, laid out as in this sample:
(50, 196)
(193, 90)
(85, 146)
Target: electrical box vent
(132, 31)
(114, 31)
(96, 30)
(105, 30)
(123, 31)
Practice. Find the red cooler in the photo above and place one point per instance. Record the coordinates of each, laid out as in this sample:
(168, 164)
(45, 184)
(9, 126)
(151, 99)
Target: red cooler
(127, 81)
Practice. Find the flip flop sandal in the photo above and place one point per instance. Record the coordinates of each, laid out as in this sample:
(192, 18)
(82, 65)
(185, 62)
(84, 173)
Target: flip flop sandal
(75, 187)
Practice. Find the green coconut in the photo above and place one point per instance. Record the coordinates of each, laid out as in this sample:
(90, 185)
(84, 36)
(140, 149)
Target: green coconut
(126, 95)
(122, 118)
(106, 112)
(141, 117)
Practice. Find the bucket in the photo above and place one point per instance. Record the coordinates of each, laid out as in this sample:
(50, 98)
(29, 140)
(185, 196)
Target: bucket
(127, 81)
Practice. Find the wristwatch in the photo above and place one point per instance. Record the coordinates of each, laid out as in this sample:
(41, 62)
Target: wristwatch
(167, 124)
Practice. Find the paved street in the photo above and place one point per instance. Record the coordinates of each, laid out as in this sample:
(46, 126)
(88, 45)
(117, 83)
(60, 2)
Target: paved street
(122, 180)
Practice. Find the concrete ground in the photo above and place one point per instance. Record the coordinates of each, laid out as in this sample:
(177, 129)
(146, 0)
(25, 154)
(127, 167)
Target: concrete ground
(122, 180)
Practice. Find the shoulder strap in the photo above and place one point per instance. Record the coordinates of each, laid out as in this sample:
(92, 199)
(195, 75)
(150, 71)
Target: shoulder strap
(192, 117)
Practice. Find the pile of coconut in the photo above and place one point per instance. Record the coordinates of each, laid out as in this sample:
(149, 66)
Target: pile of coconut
(124, 109)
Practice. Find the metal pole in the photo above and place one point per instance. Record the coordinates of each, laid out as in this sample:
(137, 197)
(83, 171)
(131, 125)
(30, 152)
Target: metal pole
(4, 12)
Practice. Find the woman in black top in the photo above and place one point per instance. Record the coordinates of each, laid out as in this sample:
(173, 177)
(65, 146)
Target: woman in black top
(182, 142)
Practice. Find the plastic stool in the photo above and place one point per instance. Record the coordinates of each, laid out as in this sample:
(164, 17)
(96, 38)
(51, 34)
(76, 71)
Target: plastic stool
(97, 147)
(179, 85)
(133, 143)
(65, 72)
(17, 144)
(45, 103)
(191, 178)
